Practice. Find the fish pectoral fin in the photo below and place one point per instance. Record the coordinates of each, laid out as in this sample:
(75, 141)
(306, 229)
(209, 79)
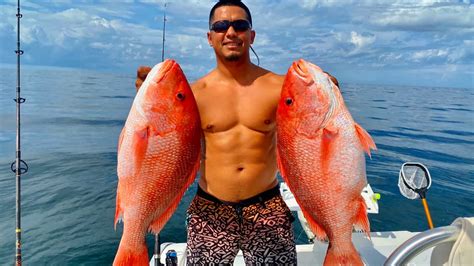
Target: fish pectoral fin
(330, 132)
(365, 139)
(138, 151)
(317, 229)
(327, 150)
(361, 222)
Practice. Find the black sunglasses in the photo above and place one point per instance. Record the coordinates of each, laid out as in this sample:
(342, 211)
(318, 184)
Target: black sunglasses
(223, 25)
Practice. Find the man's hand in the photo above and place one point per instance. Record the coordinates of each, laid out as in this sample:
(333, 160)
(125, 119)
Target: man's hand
(333, 79)
(142, 72)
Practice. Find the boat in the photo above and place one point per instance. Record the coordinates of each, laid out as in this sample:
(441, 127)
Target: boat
(447, 245)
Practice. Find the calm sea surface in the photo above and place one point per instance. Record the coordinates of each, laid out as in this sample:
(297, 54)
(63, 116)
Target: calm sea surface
(70, 126)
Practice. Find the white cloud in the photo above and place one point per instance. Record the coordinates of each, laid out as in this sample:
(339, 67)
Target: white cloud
(312, 4)
(126, 33)
(361, 41)
(422, 18)
(429, 54)
(101, 45)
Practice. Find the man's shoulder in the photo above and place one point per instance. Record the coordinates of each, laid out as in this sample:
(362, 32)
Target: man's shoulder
(198, 84)
(202, 82)
(271, 78)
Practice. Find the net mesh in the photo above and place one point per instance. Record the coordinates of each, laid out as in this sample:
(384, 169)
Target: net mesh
(415, 177)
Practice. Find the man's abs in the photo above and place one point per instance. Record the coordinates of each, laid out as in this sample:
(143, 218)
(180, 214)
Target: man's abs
(238, 164)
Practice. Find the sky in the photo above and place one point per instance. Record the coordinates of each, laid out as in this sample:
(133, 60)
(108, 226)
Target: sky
(386, 42)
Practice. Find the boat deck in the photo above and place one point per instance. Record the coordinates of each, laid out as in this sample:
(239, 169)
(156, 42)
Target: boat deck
(373, 252)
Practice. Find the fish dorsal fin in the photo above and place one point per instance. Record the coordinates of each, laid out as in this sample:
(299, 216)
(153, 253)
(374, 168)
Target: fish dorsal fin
(365, 139)
(120, 139)
(159, 222)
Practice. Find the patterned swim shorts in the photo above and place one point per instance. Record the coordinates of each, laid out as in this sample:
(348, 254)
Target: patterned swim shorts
(260, 227)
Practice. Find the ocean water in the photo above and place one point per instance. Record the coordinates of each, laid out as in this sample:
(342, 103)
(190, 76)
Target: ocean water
(70, 126)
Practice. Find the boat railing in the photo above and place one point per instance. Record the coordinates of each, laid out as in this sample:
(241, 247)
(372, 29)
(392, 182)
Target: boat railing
(421, 242)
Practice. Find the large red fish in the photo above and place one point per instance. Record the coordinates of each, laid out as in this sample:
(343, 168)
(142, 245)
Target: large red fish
(321, 157)
(158, 157)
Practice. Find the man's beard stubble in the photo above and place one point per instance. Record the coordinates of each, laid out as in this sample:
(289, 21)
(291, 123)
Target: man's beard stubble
(232, 57)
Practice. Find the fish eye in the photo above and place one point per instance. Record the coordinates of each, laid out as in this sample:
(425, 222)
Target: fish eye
(289, 101)
(180, 96)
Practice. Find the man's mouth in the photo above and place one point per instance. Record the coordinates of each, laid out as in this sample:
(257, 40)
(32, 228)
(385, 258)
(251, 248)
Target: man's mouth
(232, 44)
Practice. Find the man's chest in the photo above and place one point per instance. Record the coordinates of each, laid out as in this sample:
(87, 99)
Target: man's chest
(223, 109)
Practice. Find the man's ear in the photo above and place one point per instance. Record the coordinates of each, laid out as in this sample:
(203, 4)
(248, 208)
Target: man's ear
(209, 38)
(252, 36)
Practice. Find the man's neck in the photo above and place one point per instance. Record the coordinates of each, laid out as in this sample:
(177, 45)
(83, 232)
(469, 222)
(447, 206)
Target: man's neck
(238, 70)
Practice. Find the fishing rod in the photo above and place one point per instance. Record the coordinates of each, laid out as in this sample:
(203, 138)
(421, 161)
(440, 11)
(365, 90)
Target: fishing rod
(164, 32)
(19, 167)
(157, 251)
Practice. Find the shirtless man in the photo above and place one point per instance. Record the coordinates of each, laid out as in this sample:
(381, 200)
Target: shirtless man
(238, 204)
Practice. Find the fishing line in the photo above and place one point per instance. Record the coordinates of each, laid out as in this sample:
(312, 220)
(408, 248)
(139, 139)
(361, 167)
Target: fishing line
(258, 59)
(19, 167)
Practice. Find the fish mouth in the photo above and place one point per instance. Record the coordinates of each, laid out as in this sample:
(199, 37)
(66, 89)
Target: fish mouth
(302, 70)
(165, 67)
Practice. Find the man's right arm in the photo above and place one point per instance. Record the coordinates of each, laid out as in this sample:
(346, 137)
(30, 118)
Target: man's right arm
(142, 72)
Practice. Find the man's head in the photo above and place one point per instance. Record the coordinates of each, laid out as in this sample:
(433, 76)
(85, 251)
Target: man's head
(230, 30)
(229, 3)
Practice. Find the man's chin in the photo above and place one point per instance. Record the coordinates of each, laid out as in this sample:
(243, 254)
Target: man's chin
(232, 58)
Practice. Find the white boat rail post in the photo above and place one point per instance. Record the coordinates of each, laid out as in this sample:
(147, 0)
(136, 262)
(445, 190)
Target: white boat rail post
(421, 242)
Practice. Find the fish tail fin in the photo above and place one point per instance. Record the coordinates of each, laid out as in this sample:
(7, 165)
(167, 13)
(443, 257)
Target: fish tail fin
(126, 256)
(361, 222)
(365, 139)
(347, 256)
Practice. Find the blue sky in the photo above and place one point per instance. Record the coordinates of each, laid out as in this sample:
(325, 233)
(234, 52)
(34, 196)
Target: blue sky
(399, 42)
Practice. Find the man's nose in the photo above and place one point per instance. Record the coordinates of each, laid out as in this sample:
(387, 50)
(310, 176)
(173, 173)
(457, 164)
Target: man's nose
(231, 31)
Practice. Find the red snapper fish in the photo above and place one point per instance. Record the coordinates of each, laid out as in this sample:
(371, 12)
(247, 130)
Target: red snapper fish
(158, 158)
(321, 157)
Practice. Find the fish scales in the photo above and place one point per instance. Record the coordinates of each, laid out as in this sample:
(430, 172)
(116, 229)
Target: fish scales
(158, 158)
(321, 157)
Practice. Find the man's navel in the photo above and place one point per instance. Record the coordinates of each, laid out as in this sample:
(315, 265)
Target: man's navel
(210, 127)
(240, 168)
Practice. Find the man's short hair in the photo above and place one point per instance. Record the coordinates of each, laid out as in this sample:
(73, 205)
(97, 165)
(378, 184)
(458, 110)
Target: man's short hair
(230, 3)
